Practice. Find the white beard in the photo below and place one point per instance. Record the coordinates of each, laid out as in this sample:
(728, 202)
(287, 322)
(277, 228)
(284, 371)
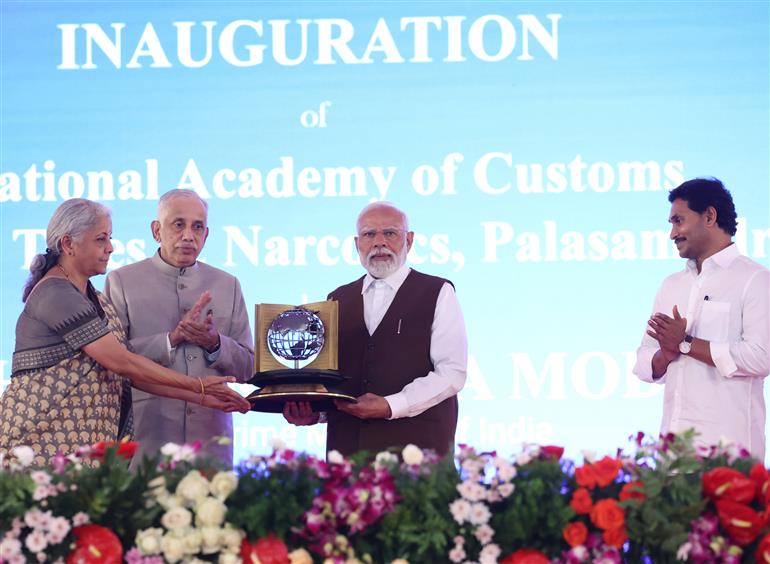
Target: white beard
(383, 269)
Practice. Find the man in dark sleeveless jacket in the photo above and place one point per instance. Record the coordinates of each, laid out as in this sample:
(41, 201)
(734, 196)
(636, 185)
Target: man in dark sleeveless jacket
(401, 342)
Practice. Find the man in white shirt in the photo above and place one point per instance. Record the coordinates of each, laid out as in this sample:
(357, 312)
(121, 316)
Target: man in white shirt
(402, 345)
(708, 339)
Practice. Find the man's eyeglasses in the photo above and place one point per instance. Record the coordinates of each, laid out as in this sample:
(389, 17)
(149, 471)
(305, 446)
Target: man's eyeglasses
(388, 234)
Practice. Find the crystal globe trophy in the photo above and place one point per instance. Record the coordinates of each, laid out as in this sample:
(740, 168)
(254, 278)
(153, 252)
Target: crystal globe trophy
(295, 357)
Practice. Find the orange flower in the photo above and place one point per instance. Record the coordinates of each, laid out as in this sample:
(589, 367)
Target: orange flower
(601, 473)
(607, 470)
(726, 483)
(585, 476)
(575, 533)
(581, 501)
(607, 514)
(632, 490)
(615, 537)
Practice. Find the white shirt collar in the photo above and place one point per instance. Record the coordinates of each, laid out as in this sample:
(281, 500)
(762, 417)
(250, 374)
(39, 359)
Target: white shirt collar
(722, 259)
(394, 280)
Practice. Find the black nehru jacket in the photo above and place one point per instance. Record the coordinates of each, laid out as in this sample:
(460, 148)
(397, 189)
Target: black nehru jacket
(396, 354)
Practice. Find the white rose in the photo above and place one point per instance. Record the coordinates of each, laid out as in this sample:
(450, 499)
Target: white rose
(229, 558)
(24, 454)
(193, 487)
(523, 459)
(278, 444)
(300, 556)
(192, 540)
(176, 518)
(211, 538)
(385, 459)
(412, 455)
(157, 486)
(210, 512)
(231, 538)
(170, 449)
(223, 484)
(168, 501)
(172, 547)
(148, 541)
(334, 457)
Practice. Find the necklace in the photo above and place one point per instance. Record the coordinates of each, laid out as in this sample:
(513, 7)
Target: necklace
(66, 274)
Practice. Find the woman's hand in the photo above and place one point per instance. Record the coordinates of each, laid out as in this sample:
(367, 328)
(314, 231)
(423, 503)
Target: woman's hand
(218, 395)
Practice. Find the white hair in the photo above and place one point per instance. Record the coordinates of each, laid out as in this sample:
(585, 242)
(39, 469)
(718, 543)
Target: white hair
(180, 193)
(74, 217)
(383, 205)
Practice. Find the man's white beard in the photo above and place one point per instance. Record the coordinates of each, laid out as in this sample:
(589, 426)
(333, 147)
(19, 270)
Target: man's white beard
(383, 269)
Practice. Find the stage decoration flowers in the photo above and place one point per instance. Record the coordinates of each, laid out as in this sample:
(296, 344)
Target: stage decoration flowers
(668, 500)
(193, 523)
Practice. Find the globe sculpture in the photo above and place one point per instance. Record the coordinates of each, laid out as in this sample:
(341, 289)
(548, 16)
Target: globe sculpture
(295, 336)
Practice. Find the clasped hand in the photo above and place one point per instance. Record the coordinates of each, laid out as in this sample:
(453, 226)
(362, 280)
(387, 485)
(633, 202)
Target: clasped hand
(668, 331)
(193, 330)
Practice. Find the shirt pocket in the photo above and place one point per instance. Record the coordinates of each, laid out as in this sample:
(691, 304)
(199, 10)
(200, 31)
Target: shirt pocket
(714, 323)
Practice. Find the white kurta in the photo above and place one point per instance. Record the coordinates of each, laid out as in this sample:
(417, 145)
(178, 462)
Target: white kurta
(727, 304)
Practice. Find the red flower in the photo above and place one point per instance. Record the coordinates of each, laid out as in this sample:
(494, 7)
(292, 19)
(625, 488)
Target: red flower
(267, 550)
(575, 533)
(632, 490)
(607, 514)
(740, 521)
(525, 556)
(552, 452)
(581, 501)
(763, 550)
(726, 483)
(126, 449)
(615, 537)
(95, 544)
(761, 478)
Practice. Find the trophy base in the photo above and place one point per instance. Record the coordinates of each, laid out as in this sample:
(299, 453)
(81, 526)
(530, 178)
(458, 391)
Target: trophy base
(271, 399)
(296, 376)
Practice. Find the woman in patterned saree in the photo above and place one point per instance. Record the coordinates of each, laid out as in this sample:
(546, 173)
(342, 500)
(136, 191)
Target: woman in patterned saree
(70, 353)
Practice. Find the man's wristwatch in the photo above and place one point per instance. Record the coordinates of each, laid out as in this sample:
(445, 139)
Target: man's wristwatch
(686, 345)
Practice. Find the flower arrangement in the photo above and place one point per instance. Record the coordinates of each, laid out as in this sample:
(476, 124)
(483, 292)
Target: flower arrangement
(666, 501)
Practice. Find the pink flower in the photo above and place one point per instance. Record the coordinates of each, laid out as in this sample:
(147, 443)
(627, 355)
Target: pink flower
(80, 518)
(457, 554)
(460, 510)
(484, 533)
(36, 542)
(9, 547)
(479, 514)
(40, 478)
